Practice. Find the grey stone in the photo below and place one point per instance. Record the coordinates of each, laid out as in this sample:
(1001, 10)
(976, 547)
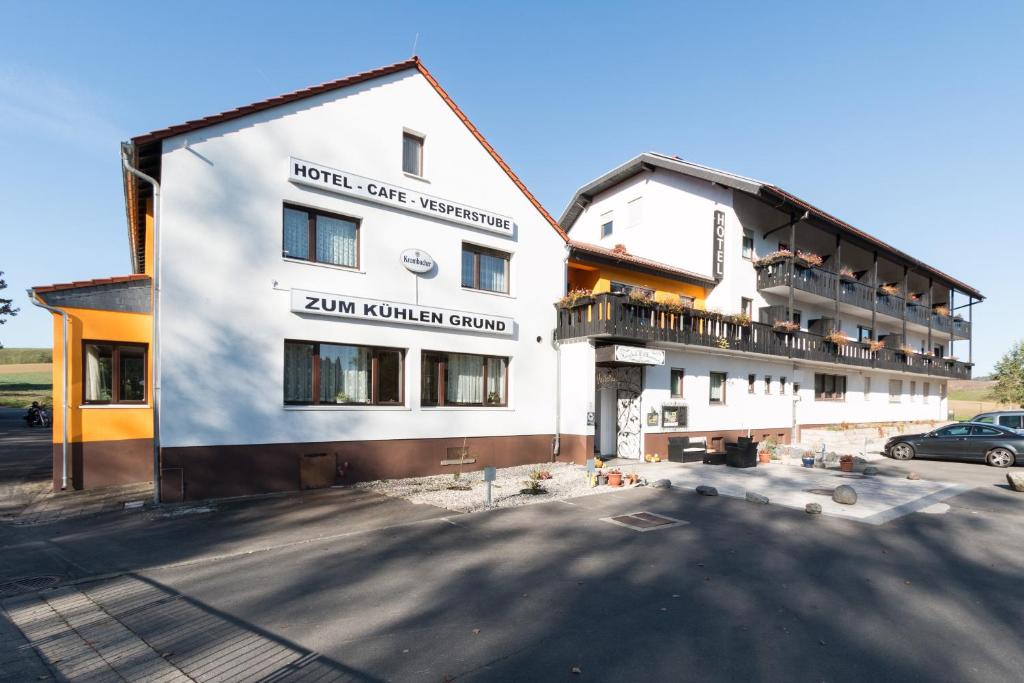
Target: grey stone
(707, 490)
(812, 509)
(1016, 481)
(913, 476)
(844, 495)
(757, 498)
(662, 484)
(870, 469)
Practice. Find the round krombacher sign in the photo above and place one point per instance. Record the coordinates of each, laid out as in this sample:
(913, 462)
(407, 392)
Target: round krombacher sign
(417, 261)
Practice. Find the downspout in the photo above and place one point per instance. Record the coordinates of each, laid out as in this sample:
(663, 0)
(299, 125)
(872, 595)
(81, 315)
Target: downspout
(556, 446)
(64, 386)
(155, 342)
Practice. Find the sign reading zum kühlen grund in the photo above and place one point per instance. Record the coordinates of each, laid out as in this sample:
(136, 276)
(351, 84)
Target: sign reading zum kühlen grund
(342, 306)
(343, 182)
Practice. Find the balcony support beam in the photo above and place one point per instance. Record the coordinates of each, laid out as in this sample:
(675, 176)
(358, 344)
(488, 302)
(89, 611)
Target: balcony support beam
(874, 303)
(839, 279)
(970, 324)
(906, 295)
(952, 333)
(792, 269)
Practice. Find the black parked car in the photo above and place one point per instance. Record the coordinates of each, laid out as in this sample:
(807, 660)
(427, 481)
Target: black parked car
(998, 446)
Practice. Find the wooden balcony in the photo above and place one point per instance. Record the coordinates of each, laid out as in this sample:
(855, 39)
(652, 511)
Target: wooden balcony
(854, 293)
(615, 316)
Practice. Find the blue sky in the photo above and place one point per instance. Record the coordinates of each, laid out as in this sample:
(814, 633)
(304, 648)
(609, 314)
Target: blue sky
(903, 119)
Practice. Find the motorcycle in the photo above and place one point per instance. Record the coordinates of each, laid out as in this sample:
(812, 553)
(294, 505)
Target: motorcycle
(37, 417)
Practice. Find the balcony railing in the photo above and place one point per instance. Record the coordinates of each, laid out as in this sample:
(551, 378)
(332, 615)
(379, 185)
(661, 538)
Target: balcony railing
(823, 283)
(616, 316)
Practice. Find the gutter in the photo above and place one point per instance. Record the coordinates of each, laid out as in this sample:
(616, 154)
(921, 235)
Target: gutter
(155, 341)
(36, 301)
(556, 446)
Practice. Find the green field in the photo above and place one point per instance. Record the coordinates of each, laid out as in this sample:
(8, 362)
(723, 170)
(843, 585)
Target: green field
(19, 356)
(19, 389)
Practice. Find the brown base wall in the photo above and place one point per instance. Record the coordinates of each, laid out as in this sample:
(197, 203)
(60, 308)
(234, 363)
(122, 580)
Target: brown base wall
(93, 464)
(658, 443)
(576, 448)
(201, 472)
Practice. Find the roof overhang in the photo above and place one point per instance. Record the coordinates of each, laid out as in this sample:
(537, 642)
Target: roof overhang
(583, 252)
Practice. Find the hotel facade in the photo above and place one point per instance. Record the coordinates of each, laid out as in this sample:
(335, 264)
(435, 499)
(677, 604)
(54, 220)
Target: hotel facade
(348, 282)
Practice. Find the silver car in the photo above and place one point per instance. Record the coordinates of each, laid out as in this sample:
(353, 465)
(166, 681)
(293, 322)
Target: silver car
(1011, 419)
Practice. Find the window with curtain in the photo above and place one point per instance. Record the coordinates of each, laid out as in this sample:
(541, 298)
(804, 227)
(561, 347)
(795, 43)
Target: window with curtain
(320, 237)
(485, 269)
(717, 392)
(114, 373)
(412, 153)
(342, 374)
(463, 379)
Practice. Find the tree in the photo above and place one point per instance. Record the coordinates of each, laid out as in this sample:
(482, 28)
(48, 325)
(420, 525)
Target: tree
(6, 309)
(1009, 376)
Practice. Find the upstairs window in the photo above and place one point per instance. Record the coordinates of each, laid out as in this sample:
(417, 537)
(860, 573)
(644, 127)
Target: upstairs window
(748, 245)
(321, 237)
(114, 373)
(484, 269)
(412, 153)
(751, 384)
(622, 288)
(767, 384)
(747, 307)
(782, 386)
(607, 224)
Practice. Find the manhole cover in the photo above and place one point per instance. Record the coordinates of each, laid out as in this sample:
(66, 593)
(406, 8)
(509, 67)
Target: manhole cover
(27, 585)
(644, 521)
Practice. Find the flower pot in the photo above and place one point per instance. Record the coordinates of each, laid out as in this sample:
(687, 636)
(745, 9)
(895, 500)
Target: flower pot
(846, 465)
(602, 479)
(807, 462)
(615, 478)
(764, 458)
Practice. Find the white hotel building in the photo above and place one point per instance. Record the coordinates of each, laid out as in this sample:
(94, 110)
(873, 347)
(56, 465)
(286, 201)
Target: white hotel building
(703, 269)
(347, 282)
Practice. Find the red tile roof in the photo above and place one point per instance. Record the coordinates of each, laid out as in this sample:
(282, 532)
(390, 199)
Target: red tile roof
(629, 259)
(157, 135)
(99, 282)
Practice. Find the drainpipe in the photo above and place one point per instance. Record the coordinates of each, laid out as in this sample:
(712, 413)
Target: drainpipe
(154, 349)
(64, 386)
(556, 446)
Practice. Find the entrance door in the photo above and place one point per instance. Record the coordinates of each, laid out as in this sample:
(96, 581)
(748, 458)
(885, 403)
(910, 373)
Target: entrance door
(628, 412)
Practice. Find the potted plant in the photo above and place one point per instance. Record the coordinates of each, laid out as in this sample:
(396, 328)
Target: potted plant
(575, 297)
(846, 463)
(836, 337)
(888, 289)
(846, 273)
(807, 459)
(638, 296)
(773, 258)
(876, 345)
(786, 326)
(602, 478)
(809, 258)
(615, 477)
(941, 309)
(766, 450)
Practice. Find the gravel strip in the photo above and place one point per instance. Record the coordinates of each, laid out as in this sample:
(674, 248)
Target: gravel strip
(467, 492)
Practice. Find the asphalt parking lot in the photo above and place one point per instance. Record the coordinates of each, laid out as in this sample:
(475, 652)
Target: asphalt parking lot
(345, 585)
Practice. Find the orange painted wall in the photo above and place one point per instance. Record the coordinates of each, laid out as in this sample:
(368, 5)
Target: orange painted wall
(99, 423)
(598, 279)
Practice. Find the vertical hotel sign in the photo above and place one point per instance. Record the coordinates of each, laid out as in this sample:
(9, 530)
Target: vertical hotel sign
(718, 248)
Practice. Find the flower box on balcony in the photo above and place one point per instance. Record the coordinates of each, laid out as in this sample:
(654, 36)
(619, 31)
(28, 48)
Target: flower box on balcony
(808, 259)
(785, 326)
(888, 290)
(576, 297)
(773, 258)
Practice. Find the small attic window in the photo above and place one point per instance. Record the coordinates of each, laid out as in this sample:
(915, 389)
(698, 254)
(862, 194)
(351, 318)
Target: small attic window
(412, 153)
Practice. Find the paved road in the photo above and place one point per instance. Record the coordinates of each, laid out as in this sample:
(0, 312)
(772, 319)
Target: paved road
(376, 589)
